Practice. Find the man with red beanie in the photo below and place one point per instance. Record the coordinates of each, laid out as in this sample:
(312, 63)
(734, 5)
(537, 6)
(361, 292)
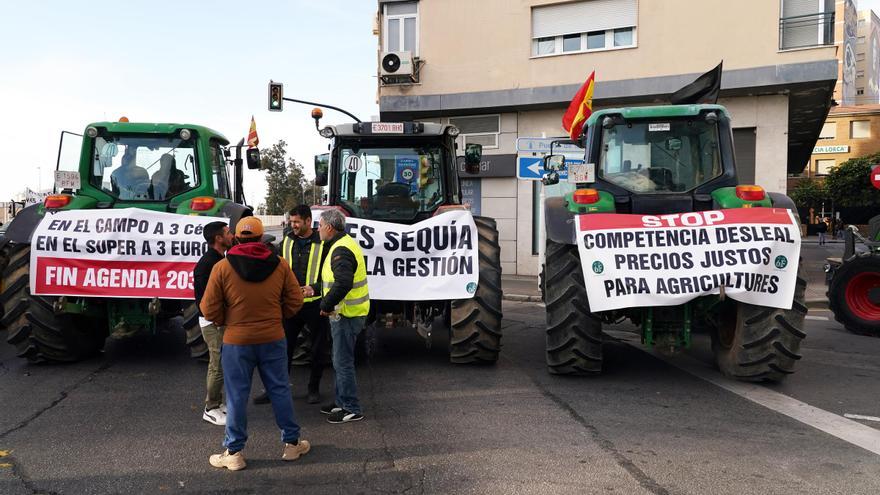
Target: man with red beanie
(250, 292)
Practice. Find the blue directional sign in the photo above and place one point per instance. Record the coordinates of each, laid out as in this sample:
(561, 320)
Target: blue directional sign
(532, 168)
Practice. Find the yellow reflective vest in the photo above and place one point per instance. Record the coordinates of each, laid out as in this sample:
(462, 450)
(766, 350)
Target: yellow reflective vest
(357, 301)
(312, 270)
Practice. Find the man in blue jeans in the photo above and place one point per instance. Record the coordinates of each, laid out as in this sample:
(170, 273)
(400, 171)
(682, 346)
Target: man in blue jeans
(249, 292)
(346, 301)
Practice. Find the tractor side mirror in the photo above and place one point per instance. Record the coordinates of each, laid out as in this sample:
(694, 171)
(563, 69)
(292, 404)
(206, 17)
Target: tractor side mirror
(253, 159)
(473, 155)
(322, 165)
(554, 163)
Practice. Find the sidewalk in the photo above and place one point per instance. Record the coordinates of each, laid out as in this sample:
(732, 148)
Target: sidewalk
(524, 288)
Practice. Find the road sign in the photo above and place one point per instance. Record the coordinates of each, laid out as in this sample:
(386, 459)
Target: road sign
(542, 145)
(532, 167)
(875, 176)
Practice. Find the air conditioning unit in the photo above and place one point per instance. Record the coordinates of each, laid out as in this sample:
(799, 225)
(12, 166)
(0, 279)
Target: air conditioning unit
(397, 64)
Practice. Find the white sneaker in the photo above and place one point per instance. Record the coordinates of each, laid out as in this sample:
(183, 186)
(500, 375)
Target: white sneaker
(223, 408)
(215, 416)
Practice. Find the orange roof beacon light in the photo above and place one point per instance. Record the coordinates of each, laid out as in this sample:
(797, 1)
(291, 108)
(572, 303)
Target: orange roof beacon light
(123, 119)
(750, 193)
(585, 196)
(317, 114)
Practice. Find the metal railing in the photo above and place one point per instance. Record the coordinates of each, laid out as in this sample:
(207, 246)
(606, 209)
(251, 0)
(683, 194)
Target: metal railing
(803, 31)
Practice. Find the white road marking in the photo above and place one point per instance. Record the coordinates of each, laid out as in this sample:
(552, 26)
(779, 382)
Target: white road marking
(845, 429)
(819, 318)
(864, 418)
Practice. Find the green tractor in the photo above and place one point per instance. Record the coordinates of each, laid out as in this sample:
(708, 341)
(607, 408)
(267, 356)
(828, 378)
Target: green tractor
(854, 281)
(660, 160)
(120, 165)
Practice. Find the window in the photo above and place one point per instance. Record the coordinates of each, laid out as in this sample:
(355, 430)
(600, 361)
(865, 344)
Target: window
(860, 57)
(140, 167)
(860, 40)
(481, 129)
(402, 27)
(860, 91)
(860, 73)
(218, 170)
(860, 129)
(829, 131)
(584, 25)
(824, 166)
(571, 43)
(806, 23)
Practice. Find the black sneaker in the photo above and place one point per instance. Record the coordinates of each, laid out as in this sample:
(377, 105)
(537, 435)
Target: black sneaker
(262, 398)
(343, 416)
(330, 409)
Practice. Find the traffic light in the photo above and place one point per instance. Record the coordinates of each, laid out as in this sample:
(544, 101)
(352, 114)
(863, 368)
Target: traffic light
(276, 96)
(424, 169)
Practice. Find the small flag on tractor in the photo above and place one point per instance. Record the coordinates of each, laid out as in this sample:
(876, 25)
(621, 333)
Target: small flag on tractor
(253, 140)
(580, 109)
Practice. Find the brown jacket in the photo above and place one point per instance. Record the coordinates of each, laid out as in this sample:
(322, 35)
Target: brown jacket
(249, 292)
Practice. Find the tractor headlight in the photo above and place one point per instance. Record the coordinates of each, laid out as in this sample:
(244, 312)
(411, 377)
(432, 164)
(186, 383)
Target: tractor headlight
(453, 131)
(326, 132)
(92, 132)
(185, 134)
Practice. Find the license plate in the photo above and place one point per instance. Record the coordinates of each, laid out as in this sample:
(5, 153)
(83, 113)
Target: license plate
(581, 172)
(387, 127)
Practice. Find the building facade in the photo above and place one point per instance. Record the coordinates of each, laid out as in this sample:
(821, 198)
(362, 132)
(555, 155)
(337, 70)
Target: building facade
(849, 132)
(507, 69)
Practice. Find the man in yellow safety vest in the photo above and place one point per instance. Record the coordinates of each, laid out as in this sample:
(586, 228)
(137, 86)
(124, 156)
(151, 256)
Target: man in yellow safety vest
(346, 301)
(301, 249)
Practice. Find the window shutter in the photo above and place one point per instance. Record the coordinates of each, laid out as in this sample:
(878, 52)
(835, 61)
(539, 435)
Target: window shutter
(583, 17)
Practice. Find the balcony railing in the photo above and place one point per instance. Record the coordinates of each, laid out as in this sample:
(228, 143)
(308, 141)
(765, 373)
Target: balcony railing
(802, 31)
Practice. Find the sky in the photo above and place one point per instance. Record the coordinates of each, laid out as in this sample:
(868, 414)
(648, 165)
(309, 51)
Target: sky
(65, 64)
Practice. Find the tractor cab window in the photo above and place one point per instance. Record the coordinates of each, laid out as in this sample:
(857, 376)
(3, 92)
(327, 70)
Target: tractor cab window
(390, 183)
(660, 157)
(217, 158)
(143, 168)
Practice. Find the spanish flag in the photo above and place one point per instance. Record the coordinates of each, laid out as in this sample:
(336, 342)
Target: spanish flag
(252, 139)
(580, 109)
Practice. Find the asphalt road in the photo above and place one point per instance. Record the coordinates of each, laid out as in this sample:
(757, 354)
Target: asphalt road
(130, 422)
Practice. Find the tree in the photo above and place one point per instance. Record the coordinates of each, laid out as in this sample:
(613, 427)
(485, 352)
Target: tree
(809, 193)
(849, 184)
(278, 188)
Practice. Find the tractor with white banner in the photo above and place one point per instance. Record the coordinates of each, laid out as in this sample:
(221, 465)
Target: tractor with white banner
(121, 174)
(427, 257)
(655, 228)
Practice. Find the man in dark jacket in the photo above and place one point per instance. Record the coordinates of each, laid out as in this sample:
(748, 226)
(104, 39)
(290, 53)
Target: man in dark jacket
(219, 239)
(301, 249)
(346, 301)
(250, 292)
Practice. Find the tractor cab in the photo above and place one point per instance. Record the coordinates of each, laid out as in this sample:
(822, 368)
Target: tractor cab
(395, 172)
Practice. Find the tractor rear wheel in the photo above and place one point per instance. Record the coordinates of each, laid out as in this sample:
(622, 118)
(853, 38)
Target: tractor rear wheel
(198, 348)
(757, 343)
(854, 294)
(574, 333)
(33, 327)
(475, 324)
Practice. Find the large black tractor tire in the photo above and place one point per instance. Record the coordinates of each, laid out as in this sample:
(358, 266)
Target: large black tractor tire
(574, 333)
(757, 343)
(198, 348)
(854, 294)
(475, 324)
(33, 327)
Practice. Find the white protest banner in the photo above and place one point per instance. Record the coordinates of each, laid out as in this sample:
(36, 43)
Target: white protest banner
(434, 259)
(127, 252)
(666, 260)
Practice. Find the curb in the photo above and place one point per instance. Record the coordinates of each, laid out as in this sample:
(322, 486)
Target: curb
(817, 303)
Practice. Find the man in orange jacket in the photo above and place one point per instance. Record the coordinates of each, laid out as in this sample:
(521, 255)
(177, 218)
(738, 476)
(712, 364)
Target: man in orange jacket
(249, 292)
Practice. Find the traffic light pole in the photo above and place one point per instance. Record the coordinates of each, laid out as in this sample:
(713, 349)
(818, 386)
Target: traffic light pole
(322, 105)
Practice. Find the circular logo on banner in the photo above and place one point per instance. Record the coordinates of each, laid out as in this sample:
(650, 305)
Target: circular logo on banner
(353, 163)
(407, 174)
(781, 262)
(598, 267)
(471, 287)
